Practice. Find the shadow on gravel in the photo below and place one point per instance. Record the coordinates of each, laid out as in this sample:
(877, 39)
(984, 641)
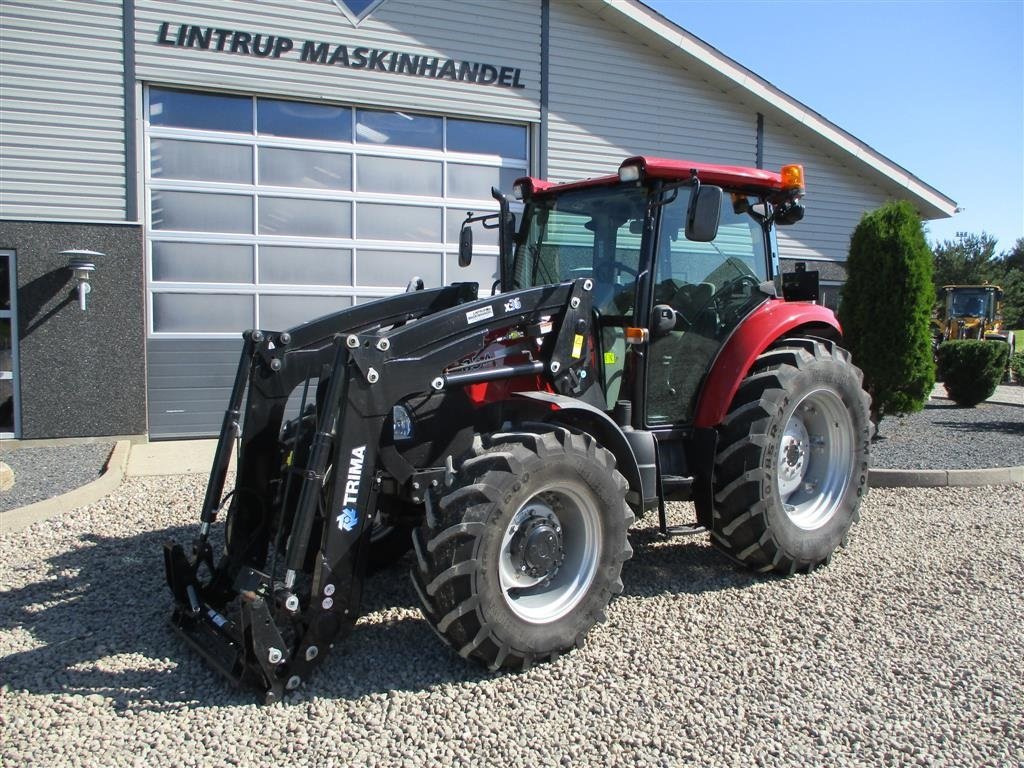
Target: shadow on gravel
(1004, 427)
(98, 614)
(679, 565)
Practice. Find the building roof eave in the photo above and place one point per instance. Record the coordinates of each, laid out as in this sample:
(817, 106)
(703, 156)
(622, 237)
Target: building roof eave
(931, 202)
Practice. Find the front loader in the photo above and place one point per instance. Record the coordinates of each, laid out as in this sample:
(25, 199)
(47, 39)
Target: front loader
(641, 346)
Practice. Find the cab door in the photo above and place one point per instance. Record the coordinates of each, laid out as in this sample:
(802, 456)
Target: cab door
(701, 292)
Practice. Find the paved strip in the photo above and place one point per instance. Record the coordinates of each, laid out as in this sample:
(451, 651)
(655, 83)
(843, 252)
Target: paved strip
(22, 517)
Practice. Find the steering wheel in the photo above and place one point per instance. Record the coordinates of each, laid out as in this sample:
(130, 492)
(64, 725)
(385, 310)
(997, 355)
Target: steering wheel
(729, 287)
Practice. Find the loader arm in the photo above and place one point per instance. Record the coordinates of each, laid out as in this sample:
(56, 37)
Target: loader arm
(289, 581)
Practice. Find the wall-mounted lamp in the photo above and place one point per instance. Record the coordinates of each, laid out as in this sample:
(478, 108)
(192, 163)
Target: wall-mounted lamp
(82, 264)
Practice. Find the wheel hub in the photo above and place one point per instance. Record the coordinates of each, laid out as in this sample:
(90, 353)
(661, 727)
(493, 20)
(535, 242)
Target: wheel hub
(815, 459)
(793, 456)
(537, 549)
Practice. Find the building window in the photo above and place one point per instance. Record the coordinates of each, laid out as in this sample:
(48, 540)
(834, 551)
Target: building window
(266, 213)
(10, 411)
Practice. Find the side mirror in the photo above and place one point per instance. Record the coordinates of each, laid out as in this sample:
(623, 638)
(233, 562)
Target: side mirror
(466, 245)
(703, 214)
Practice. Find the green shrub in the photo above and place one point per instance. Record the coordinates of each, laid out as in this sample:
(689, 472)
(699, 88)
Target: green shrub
(972, 369)
(1017, 366)
(885, 309)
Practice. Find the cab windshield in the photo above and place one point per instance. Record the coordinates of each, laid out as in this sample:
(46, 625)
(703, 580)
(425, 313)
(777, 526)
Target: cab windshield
(597, 233)
(593, 233)
(970, 303)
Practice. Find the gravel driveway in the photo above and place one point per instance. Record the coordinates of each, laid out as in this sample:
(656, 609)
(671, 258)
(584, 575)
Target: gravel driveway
(908, 649)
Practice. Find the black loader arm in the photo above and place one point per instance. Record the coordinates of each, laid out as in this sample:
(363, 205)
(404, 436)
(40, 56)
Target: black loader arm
(288, 583)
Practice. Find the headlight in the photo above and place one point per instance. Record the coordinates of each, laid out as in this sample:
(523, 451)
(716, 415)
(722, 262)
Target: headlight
(629, 173)
(402, 423)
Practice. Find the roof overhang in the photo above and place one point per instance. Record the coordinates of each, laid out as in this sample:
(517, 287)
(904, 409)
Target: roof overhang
(638, 20)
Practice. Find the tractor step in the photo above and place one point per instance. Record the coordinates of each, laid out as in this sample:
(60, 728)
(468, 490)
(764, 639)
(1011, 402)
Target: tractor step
(675, 483)
(676, 487)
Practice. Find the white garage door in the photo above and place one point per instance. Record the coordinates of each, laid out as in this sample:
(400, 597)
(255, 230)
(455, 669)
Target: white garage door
(267, 213)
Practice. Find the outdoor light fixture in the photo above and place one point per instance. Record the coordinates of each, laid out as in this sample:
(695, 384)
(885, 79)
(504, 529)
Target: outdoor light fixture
(82, 264)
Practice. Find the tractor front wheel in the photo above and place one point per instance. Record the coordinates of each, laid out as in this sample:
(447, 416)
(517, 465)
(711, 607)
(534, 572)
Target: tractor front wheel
(792, 463)
(520, 557)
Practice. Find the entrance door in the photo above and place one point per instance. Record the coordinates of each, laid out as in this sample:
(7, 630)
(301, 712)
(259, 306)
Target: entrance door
(10, 412)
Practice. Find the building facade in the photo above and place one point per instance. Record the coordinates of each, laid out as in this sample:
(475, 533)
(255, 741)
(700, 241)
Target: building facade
(237, 165)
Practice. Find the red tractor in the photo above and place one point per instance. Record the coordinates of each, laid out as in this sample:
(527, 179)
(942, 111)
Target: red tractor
(640, 346)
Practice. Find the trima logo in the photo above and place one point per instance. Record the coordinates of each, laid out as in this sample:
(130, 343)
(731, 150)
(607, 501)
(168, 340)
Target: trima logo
(357, 10)
(348, 518)
(355, 474)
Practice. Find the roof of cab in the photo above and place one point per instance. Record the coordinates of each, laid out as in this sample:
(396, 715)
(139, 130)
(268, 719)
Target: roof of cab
(731, 176)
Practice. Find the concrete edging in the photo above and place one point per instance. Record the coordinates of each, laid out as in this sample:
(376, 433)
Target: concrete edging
(117, 468)
(942, 478)
(113, 473)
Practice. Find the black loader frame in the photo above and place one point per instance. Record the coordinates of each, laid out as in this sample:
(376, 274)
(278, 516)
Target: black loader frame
(268, 609)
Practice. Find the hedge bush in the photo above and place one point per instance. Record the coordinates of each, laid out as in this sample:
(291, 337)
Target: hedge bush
(972, 369)
(1017, 366)
(886, 307)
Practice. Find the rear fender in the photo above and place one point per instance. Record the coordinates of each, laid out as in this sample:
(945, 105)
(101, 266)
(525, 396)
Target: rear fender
(770, 321)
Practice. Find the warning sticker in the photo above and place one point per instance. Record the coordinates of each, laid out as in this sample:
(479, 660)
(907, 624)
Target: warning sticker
(577, 345)
(476, 315)
(610, 358)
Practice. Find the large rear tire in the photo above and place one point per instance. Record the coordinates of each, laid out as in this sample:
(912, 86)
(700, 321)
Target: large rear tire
(792, 464)
(519, 559)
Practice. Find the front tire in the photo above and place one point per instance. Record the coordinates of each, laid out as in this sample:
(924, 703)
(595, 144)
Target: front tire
(519, 559)
(792, 464)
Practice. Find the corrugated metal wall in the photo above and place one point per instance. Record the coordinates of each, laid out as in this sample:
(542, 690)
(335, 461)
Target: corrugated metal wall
(611, 97)
(499, 33)
(836, 198)
(62, 142)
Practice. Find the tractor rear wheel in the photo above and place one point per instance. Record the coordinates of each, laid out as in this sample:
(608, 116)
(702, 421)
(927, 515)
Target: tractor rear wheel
(519, 559)
(792, 463)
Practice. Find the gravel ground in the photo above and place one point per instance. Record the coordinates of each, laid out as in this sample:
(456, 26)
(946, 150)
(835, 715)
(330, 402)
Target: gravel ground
(40, 473)
(946, 436)
(907, 650)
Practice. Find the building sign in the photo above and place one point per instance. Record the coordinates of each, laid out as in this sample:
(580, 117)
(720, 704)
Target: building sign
(336, 54)
(357, 10)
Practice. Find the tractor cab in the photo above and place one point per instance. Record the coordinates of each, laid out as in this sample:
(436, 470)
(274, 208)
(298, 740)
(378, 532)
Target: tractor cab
(679, 254)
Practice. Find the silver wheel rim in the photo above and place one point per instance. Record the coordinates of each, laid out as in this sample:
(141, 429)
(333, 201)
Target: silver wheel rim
(815, 459)
(540, 600)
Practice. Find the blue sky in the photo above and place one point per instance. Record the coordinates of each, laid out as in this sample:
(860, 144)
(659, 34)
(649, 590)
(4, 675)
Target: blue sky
(937, 87)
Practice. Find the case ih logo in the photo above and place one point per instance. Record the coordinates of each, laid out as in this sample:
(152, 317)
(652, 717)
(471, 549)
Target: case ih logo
(357, 10)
